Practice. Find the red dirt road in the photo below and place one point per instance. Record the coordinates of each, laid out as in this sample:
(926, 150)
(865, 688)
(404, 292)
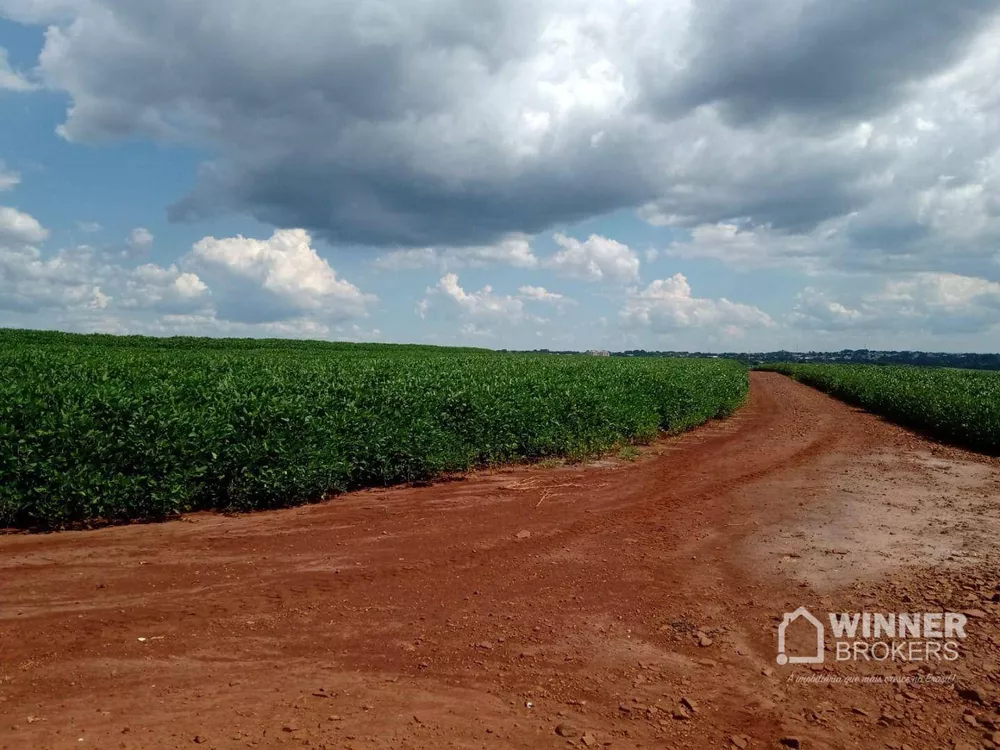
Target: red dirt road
(619, 604)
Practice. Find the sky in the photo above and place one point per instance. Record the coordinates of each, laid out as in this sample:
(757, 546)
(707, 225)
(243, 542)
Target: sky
(705, 175)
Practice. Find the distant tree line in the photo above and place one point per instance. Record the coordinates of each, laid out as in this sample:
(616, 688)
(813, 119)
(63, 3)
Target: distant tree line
(968, 361)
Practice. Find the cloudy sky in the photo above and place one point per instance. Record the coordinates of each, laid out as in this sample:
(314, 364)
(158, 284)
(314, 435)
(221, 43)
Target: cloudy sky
(659, 174)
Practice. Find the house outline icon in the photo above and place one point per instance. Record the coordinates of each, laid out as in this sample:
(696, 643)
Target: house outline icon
(787, 620)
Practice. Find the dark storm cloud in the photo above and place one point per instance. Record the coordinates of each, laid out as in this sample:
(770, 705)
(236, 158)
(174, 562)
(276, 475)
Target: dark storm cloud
(825, 60)
(448, 122)
(401, 206)
(784, 183)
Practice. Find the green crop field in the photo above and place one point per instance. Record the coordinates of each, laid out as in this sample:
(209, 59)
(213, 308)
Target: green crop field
(102, 428)
(957, 406)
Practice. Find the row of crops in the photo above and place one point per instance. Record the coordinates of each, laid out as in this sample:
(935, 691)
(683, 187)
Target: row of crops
(957, 406)
(100, 428)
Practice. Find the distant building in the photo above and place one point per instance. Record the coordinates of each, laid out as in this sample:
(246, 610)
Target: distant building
(599, 353)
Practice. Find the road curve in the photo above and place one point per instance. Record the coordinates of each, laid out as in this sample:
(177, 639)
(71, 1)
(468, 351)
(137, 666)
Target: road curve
(479, 612)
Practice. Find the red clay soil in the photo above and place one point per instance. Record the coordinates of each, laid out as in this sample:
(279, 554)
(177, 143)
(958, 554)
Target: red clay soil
(618, 604)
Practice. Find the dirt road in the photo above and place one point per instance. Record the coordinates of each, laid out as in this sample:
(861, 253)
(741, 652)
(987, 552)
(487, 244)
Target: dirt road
(621, 604)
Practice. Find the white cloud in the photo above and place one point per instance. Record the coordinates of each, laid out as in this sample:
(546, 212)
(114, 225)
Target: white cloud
(235, 285)
(668, 305)
(483, 314)
(140, 239)
(481, 304)
(165, 289)
(936, 303)
(513, 250)
(409, 260)
(30, 282)
(99, 301)
(20, 228)
(90, 227)
(938, 290)
(541, 294)
(270, 280)
(8, 178)
(749, 247)
(10, 79)
(83, 278)
(815, 309)
(472, 330)
(597, 259)
(207, 324)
